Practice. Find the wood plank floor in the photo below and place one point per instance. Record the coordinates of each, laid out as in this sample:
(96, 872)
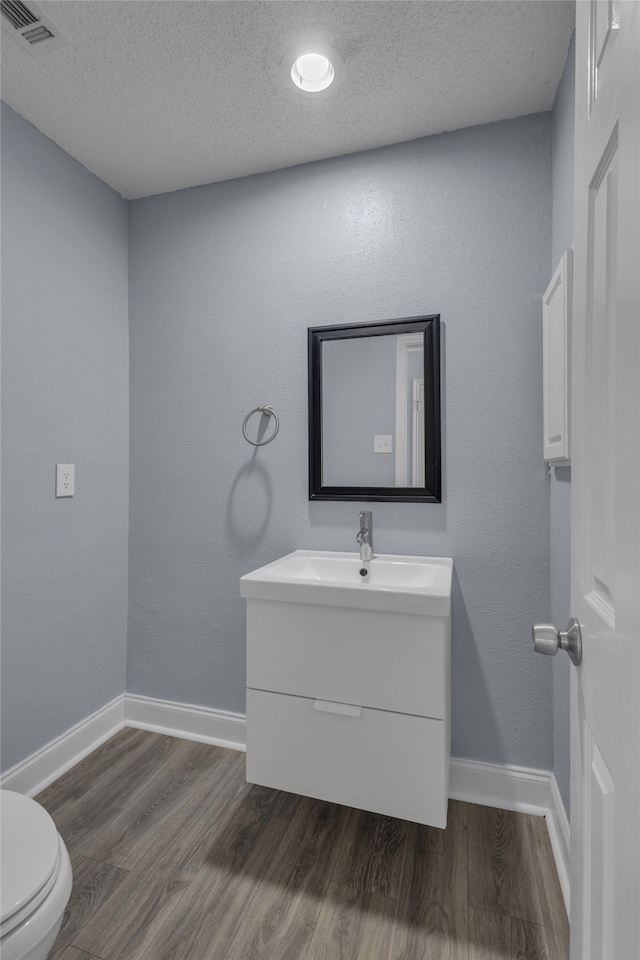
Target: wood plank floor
(175, 857)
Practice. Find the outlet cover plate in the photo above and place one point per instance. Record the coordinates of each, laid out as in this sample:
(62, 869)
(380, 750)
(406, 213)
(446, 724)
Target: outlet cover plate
(65, 479)
(382, 443)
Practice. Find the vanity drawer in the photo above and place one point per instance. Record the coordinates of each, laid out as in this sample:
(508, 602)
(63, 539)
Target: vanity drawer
(390, 661)
(388, 763)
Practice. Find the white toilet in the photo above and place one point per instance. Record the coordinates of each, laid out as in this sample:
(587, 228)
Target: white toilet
(35, 879)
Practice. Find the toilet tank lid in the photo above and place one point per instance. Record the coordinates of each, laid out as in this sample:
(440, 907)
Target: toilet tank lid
(30, 850)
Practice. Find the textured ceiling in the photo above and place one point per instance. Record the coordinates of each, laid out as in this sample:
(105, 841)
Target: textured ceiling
(156, 95)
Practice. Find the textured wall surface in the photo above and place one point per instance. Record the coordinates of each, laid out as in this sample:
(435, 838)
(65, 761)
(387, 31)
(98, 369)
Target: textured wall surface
(562, 145)
(64, 400)
(223, 282)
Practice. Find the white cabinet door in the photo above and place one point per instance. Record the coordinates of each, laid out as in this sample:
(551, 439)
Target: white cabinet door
(389, 661)
(388, 763)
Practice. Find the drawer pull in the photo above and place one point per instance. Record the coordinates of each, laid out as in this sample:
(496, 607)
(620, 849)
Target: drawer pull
(329, 706)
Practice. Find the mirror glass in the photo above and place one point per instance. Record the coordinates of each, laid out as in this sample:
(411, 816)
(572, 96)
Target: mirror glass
(374, 411)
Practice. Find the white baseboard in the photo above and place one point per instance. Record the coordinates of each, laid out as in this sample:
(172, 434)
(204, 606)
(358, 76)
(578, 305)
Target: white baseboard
(186, 720)
(32, 775)
(189, 721)
(490, 784)
(500, 785)
(560, 837)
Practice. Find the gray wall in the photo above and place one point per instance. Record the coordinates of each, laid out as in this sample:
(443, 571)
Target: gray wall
(64, 400)
(224, 280)
(562, 144)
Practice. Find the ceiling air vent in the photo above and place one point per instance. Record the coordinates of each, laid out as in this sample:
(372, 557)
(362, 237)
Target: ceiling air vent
(33, 30)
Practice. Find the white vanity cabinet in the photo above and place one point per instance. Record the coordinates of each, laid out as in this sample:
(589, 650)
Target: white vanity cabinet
(350, 705)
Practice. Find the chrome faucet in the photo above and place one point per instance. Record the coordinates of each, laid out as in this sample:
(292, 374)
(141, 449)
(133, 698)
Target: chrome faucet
(365, 535)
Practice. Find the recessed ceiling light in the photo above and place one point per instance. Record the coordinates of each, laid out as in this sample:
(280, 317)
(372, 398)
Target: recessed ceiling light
(312, 72)
(313, 67)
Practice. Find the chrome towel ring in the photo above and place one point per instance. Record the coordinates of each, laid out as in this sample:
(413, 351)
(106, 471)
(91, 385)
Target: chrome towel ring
(270, 412)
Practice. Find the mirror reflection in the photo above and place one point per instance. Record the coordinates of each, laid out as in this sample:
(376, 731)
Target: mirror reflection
(374, 410)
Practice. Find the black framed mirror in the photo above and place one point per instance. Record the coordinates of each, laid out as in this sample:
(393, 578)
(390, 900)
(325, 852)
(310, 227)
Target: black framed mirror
(374, 411)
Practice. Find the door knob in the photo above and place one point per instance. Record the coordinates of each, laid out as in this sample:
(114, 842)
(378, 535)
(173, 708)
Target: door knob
(548, 640)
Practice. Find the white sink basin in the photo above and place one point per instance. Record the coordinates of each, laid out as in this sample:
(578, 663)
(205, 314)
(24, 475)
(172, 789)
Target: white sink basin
(394, 583)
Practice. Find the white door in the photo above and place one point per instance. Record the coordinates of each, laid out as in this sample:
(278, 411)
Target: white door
(605, 578)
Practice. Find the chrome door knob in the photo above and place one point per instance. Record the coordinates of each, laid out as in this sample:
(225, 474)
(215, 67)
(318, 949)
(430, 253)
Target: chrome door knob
(545, 638)
(548, 640)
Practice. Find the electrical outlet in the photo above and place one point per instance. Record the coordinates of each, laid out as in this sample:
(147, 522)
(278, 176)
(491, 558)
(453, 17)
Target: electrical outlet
(65, 479)
(382, 444)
